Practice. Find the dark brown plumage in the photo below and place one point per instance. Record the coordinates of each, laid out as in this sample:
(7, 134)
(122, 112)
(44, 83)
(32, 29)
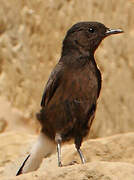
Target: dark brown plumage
(70, 97)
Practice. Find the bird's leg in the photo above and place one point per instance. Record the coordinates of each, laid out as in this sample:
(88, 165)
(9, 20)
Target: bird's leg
(58, 141)
(59, 154)
(81, 156)
(78, 141)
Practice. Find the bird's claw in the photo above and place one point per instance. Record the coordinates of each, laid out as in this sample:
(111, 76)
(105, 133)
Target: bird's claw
(60, 164)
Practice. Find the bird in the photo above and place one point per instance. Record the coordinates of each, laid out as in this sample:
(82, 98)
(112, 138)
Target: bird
(70, 96)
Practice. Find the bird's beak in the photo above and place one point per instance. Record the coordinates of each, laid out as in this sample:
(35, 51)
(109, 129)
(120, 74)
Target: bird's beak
(113, 31)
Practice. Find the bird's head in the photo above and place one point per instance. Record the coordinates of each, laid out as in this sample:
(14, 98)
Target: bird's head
(86, 36)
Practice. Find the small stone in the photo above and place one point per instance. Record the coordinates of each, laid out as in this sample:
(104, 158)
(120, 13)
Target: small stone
(3, 125)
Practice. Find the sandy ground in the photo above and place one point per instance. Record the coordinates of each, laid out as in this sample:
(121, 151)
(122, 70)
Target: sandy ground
(109, 158)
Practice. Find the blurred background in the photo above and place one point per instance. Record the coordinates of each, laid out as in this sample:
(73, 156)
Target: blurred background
(31, 34)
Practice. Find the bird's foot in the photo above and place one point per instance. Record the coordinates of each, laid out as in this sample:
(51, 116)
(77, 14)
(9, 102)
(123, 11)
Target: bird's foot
(60, 164)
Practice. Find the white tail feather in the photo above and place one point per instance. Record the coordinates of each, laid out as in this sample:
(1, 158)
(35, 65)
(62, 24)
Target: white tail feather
(42, 148)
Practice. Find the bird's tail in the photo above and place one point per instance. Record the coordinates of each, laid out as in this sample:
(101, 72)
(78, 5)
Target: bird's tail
(42, 148)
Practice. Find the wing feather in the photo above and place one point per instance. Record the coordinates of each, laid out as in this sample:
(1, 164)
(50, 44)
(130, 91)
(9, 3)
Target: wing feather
(52, 85)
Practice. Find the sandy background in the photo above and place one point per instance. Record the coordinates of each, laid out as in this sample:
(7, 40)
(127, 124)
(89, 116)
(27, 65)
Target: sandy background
(31, 34)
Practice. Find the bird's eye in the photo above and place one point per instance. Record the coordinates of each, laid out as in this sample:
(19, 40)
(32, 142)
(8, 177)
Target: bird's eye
(91, 30)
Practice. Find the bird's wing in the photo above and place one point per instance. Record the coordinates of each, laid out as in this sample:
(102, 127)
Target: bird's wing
(52, 84)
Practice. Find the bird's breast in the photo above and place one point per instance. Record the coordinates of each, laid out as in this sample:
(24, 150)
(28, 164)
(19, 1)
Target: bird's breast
(80, 83)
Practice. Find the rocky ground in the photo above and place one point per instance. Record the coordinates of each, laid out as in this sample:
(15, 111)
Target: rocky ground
(31, 34)
(110, 158)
